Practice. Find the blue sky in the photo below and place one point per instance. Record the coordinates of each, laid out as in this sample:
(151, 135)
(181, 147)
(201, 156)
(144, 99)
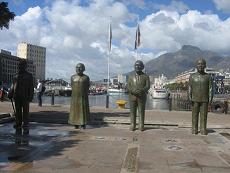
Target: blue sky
(21, 6)
(77, 31)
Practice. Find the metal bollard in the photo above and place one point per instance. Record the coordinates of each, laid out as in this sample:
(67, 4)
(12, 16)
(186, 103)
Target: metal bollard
(170, 103)
(107, 101)
(52, 98)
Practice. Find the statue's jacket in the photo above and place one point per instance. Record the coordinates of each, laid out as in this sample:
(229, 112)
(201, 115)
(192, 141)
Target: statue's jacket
(200, 87)
(138, 82)
(23, 87)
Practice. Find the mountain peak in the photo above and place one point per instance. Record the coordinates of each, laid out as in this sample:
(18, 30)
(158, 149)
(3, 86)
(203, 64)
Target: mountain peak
(190, 47)
(171, 64)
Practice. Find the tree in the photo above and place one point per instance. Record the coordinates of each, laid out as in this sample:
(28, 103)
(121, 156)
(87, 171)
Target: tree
(5, 15)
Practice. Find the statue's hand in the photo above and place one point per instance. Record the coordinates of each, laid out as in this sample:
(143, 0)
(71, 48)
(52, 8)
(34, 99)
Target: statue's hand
(210, 102)
(31, 99)
(134, 92)
(10, 95)
(139, 92)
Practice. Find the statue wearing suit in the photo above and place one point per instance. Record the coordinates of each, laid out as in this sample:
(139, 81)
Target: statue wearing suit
(200, 94)
(138, 86)
(22, 90)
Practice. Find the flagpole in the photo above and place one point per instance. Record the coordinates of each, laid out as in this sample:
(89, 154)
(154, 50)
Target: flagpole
(108, 81)
(138, 45)
(137, 39)
(109, 52)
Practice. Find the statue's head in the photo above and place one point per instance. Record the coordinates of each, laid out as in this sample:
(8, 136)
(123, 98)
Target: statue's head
(200, 65)
(22, 65)
(138, 66)
(80, 68)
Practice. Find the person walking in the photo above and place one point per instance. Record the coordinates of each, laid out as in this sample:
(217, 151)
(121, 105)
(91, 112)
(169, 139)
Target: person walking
(39, 92)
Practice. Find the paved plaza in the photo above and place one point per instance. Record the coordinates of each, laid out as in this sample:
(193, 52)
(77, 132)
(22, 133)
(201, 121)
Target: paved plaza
(107, 145)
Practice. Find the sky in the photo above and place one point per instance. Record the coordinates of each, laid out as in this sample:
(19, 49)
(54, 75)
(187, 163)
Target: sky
(76, 31)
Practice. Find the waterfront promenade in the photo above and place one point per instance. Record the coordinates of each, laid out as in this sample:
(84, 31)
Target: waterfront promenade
(166, 146)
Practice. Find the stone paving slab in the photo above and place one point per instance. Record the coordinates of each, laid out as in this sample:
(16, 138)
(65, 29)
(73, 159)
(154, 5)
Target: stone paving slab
(166, 146)
(61, 148)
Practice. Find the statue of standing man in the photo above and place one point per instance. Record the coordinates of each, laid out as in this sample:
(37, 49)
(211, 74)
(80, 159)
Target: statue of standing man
(22, 90)
(201, 94)
(138, 86)
(79, 107)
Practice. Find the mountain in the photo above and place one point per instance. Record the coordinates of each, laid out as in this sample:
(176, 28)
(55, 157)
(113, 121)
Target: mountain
(171, 64)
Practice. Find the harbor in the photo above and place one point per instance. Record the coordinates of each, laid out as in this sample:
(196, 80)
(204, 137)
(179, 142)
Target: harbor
(177, 101)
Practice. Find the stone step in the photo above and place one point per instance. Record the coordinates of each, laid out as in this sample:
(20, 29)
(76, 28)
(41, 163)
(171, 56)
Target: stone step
(6, 119)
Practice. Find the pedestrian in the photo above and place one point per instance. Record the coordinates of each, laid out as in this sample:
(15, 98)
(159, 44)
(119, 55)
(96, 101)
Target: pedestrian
(39, 92)
(225, 107)
(22, 90)
(2, 94)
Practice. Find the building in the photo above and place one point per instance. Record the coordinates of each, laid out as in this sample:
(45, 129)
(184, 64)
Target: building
(35, 53)
(184, 76)
(160, 81)
(227, 79)
(219, 80)
(122, 78)
(9, 67)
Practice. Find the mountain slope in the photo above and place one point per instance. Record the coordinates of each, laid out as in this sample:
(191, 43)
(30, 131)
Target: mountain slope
(171, 64)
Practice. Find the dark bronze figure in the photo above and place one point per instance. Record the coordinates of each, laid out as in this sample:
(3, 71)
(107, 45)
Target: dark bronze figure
(138, 86)
(22, 90)
(79, 108)
(201, 95)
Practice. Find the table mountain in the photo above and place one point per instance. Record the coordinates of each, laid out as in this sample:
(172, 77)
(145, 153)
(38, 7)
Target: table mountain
(171, 64)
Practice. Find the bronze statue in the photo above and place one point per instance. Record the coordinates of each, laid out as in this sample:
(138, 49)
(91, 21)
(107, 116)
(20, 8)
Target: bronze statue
(22, 90)
(79, 108)
(138, 86)
(200, 94)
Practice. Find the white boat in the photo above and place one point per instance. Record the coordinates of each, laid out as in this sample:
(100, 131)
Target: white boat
(159, 93)
(116, 90)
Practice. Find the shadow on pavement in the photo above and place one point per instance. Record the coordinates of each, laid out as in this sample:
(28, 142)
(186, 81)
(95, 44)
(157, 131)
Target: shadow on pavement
(45, 140)
(57, 117)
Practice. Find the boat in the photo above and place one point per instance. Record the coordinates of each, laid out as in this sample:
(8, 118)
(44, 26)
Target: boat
(66, 91)
(157, 90)
(159, 93)
(116, 90)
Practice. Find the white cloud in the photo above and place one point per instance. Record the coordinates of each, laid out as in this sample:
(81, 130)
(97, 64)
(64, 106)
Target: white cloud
(223, 5)
(73, 33)
(169, 31)
(175, 5)
(138, 3)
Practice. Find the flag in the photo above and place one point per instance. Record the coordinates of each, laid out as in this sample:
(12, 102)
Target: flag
(137, 39)
(110, 36)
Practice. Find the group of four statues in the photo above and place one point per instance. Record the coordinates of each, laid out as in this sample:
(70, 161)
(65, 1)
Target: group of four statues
(200, 94)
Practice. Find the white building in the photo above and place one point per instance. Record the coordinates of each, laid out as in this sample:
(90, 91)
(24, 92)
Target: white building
(227, 79)
(121, 78)
(184, 76)
(160, 81)
(35, 53)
